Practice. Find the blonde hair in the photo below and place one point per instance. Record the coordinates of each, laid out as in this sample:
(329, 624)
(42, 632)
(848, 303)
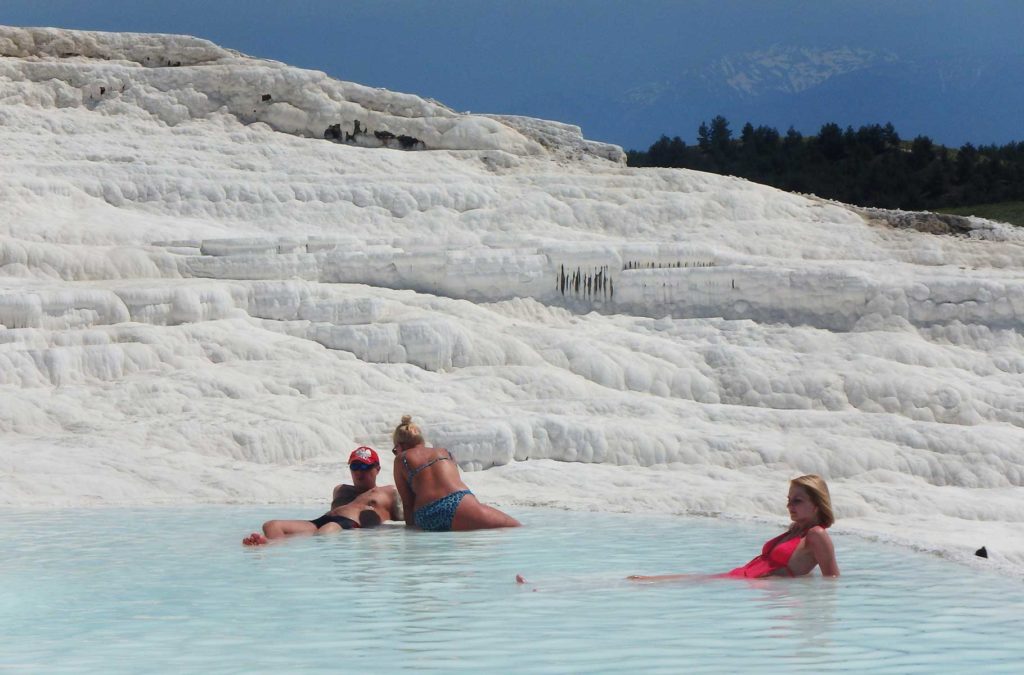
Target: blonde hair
(818, 492)
(407, 434)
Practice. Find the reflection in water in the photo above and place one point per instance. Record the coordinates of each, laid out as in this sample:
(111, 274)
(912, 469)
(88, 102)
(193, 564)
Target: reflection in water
(429, 582)
(802, 610)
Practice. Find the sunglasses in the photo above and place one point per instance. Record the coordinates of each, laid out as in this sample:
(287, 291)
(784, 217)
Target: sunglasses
(361, 466)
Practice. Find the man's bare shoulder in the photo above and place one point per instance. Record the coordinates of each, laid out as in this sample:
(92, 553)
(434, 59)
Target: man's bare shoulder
(376, 492)
(389, 490)
(382, 494)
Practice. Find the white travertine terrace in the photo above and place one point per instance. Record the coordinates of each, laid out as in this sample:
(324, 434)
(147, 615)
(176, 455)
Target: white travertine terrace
(202, 299)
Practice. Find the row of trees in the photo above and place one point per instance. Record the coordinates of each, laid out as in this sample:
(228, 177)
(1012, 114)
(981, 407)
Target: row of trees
(870, 166)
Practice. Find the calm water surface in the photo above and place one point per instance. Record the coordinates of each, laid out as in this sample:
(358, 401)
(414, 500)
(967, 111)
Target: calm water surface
(172, 589)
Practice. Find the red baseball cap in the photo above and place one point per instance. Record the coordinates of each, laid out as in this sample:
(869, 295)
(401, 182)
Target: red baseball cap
(364, 454)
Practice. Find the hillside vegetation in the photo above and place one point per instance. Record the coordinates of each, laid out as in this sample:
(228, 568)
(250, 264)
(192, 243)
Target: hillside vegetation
(1004, 212)
(869, 166)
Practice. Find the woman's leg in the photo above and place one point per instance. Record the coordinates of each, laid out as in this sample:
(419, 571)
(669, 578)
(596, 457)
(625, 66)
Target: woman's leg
(329, 528)
(279, 529)
(472, 515)
(276, 529)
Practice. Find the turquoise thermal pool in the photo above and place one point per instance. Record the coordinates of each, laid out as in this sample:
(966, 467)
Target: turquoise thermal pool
(162, 589)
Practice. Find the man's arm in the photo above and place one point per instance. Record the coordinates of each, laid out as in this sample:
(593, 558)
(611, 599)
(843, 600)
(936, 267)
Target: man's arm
(343, 494)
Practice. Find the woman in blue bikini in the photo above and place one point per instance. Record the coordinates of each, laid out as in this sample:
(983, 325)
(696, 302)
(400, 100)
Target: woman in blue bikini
(433, 494)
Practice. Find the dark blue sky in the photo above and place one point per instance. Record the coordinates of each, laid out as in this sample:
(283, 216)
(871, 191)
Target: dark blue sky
(540, 57)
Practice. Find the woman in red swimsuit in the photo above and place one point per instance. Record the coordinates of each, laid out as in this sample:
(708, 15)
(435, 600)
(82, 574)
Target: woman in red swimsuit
(798, 550)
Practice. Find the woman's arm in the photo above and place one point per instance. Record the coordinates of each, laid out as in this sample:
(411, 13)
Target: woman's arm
(404, 492)
(663, 577)
(397, 512)
(824, 553)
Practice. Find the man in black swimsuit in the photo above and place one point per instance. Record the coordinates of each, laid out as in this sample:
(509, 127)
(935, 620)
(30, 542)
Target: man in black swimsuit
(364, 504)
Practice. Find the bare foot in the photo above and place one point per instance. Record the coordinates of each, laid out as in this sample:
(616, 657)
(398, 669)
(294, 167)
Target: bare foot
(255, 539)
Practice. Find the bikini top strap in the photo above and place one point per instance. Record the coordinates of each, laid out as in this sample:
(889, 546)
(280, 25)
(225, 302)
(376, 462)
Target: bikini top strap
(409, 473)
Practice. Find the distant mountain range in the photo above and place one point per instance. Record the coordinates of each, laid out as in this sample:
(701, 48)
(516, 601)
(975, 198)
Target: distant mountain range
(785, 86)
(788, 70)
